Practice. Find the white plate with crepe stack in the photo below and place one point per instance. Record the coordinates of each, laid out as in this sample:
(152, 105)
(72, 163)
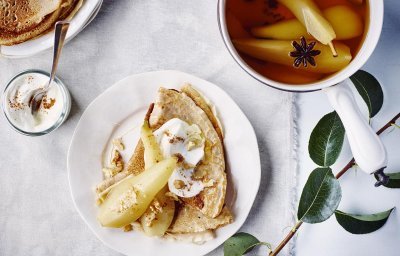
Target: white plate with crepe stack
(79, 21)
(119, 111)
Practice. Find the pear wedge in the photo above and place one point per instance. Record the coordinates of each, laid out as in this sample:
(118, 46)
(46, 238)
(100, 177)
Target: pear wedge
(152, 151)
(277, 51)
(158, 217)
(280, 72)
(129, 200)
(308, 13)
(284, 30)
(345, 21)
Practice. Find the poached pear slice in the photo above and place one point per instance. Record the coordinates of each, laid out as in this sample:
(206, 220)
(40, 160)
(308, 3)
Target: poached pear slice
(129, 200)
(158, 217)
(345, 21)
(152, 151)
(308, 13)
(277, 51)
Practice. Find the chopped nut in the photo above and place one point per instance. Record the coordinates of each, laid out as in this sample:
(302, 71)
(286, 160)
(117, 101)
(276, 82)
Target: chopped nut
(186, 165)
(137, 226)
(180, 158)
(149, 217)
(179, 184)
(117, 160)
(199, 173)
(116, 165)
(110, 172)
(195, 138)
(126, 200)
(209, 183)
(157, 206)
(128, 228)
(190, 145)
(118, 144)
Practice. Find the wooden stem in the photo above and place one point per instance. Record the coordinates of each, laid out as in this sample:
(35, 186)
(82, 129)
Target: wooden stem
(338, 175)
(333, 49)
(287, 239)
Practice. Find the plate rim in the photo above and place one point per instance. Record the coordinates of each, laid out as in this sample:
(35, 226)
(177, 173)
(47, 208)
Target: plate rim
(258, 162)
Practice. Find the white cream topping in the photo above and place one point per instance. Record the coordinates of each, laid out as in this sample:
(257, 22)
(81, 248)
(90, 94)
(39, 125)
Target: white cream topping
(178, 137)
(17, 98)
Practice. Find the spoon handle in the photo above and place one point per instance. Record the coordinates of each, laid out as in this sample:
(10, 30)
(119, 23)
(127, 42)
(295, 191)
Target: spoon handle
(61, 29)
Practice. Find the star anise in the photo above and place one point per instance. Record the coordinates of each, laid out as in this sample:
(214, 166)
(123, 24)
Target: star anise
(304, 53)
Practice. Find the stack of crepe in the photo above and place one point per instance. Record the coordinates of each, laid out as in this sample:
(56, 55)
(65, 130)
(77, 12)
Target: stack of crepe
(198, 216)
(22, 20)
(206, 211)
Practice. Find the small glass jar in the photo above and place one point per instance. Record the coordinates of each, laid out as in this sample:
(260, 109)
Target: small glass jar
(64, 112)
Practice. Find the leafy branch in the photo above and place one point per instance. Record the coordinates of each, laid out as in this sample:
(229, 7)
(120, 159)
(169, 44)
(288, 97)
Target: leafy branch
(321, 195)
(338, 214)
(348, 166)
(242, 243)
(362, 224)
(366, 85)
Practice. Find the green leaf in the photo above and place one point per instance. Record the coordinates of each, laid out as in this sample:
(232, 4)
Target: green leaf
(241, 243)
(369, 89)
(362, 224)
(394, 180)
(326, 140)
(320, 197)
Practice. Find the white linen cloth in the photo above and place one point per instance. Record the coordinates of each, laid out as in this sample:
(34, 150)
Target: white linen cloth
(37, 216)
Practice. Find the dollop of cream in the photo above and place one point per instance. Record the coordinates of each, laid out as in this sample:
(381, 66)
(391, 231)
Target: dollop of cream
(18, 95)
(178, 137)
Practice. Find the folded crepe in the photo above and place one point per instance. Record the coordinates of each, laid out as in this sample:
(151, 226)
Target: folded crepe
(21, 20)
(205, 211)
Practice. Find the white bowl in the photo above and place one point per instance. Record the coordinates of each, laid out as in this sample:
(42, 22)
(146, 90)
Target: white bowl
(368, 46)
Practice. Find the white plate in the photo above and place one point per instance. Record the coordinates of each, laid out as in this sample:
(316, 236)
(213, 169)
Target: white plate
(36, 45)
(122, 107)
(93, 15)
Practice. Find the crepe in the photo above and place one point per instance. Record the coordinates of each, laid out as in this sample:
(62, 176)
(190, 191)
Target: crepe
(187, 218)
(21, 20)
(200, 101)
(174, 104)
(20, 15)
(70, 8)
(205, 211)
(190, 220)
